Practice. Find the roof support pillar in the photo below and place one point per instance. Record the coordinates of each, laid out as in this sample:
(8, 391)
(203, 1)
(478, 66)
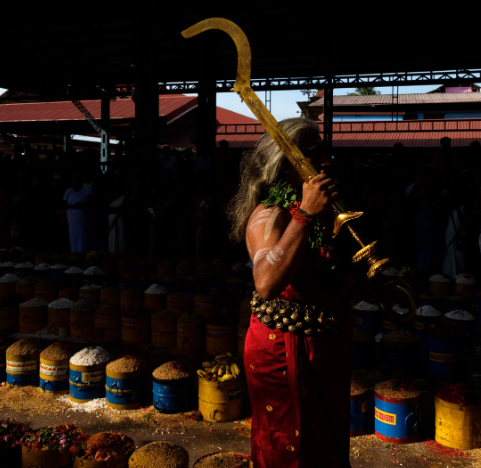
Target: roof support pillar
(328, 112)
(67, 144)
(206, 122)
(105, 135)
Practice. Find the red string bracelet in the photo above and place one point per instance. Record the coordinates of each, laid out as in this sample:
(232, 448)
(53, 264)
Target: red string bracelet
(298, 216)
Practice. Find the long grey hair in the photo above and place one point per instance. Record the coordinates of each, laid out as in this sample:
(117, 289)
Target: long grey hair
(260, 168)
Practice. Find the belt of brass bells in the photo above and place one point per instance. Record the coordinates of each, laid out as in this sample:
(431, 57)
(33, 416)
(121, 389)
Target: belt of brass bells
(292, 317)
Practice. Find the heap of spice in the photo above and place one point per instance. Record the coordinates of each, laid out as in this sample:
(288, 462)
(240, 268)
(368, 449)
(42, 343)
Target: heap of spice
(12, 432)
(461, 394)
(161, 454)
(23, 347)
(398, 389)
(172, 370)
(125, 365)
(58, 437)
(56, 352)
(106, 446)
(358, 386)
(223, 459)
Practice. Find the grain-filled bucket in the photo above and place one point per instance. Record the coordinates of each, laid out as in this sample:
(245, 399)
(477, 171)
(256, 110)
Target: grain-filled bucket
(165, 268)
(82, 320)
(440, 285)
(54, 369)
(155, 298)
(220, 401)
(91, 292)
(22, 363)
(158, 454)
(37, 451)
(131, 301)
(220, 338)
(124, 383)
(32, 315)
(195, 285)
(172, 388)
(110, 297)
(69, 292)
(135, 329)
(59, 317)
(57, 272)
(23, 269)
(443, 355)
(400, 350)
(466, 285)
(105, 450)
(42, 270)
(6, 268)
(93, 275)
(236, 459)
(190, 332)
(359, 407)
(164, 329)
(180, 303)
(463, 321)
(185, 268)
(425, 317)
(46, 290)
(74, 277)
(26, 287)
(7, 284)
(242, 329)
(204, 306)
(174, 284)
(457, 409)
(87, 374)
(9, 320)
(397, 412)
(107, 324)
(367, 317)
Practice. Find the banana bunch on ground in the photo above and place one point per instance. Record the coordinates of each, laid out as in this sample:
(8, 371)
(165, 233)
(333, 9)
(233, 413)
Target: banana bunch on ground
(223, 368)
(91, 255)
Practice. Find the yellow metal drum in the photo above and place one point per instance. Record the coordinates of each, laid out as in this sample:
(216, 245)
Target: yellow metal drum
(220, 401)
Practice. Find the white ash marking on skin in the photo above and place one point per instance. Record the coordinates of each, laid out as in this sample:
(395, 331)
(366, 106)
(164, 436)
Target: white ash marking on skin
(270, 223)
(260, 254)
(248, 245)
(261, 217)
(275, 255)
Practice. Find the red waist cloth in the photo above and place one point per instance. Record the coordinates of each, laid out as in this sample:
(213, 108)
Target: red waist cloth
(299, 389)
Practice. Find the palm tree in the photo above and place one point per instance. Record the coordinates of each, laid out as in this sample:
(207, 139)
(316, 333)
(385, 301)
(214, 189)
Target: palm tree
(364, 92)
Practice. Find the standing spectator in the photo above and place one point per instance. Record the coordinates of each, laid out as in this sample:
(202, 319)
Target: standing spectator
(76, 199)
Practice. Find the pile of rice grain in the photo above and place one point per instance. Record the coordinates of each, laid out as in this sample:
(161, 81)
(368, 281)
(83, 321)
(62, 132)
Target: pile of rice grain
(365, 306)
(23, 265)
(90, 356)
(42, 267)
(27, 280)
(125, 364)
(35, 302)
(464, 278)
(93, 270)
(400, 310)
(91, 287)
(6, 265)
(439, 279)
(9, 278)
(459, 315)
(23, 347)
(59, 266)
(56, 352)
(82, 305)
(224, 460)
(172, 370)
(74, 271)
(156, 289)
(396, 389)
(160, 454)
(62, 303)
(428, 311)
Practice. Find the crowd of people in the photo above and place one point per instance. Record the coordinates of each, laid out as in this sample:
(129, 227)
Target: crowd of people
(425, 213)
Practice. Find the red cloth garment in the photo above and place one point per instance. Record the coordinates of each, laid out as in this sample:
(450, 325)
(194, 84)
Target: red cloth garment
(299, 389)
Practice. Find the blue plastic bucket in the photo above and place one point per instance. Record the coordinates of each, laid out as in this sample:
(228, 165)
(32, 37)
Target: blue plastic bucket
(443, 357)
(369, 322)
(420, 325)
(397, 420)
(172, 396)
(22, 370)
(56, 274)
(125, 381)
(86, 382)
(123, 399)
(61, 386)
(359, 412)
(93, 279)
(389, 326)
(362, 355)
(54, 376)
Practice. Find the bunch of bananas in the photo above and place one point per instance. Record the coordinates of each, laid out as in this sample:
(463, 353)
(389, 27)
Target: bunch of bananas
(91, 255)
(221, 369)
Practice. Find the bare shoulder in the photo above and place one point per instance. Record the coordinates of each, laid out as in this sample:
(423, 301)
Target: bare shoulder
(263, 215)
(266, 226)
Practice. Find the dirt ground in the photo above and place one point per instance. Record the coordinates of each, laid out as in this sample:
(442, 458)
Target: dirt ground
(198, 437)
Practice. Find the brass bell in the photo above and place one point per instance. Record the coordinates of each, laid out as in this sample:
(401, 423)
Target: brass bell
(321, 319)
(260, 315)
(309, 331)
(320, 331)
(266, 320)
(293, 328)
(295, 315)
(300, 325)
(283, 312)
(280, 325)
(263, 307)
(254, 303)
(286, 321)
(308, 318)
(270, 310)
(276, 317)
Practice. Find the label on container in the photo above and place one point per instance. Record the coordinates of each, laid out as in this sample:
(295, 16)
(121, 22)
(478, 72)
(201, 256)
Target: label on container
(418, 325)
(129, 324)
(364, 407)
(17, 367)
(53, 370)
(358, 320)
(234, 393)
(387, 418)
(389, 325)
(91, 377)
(441, 357)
